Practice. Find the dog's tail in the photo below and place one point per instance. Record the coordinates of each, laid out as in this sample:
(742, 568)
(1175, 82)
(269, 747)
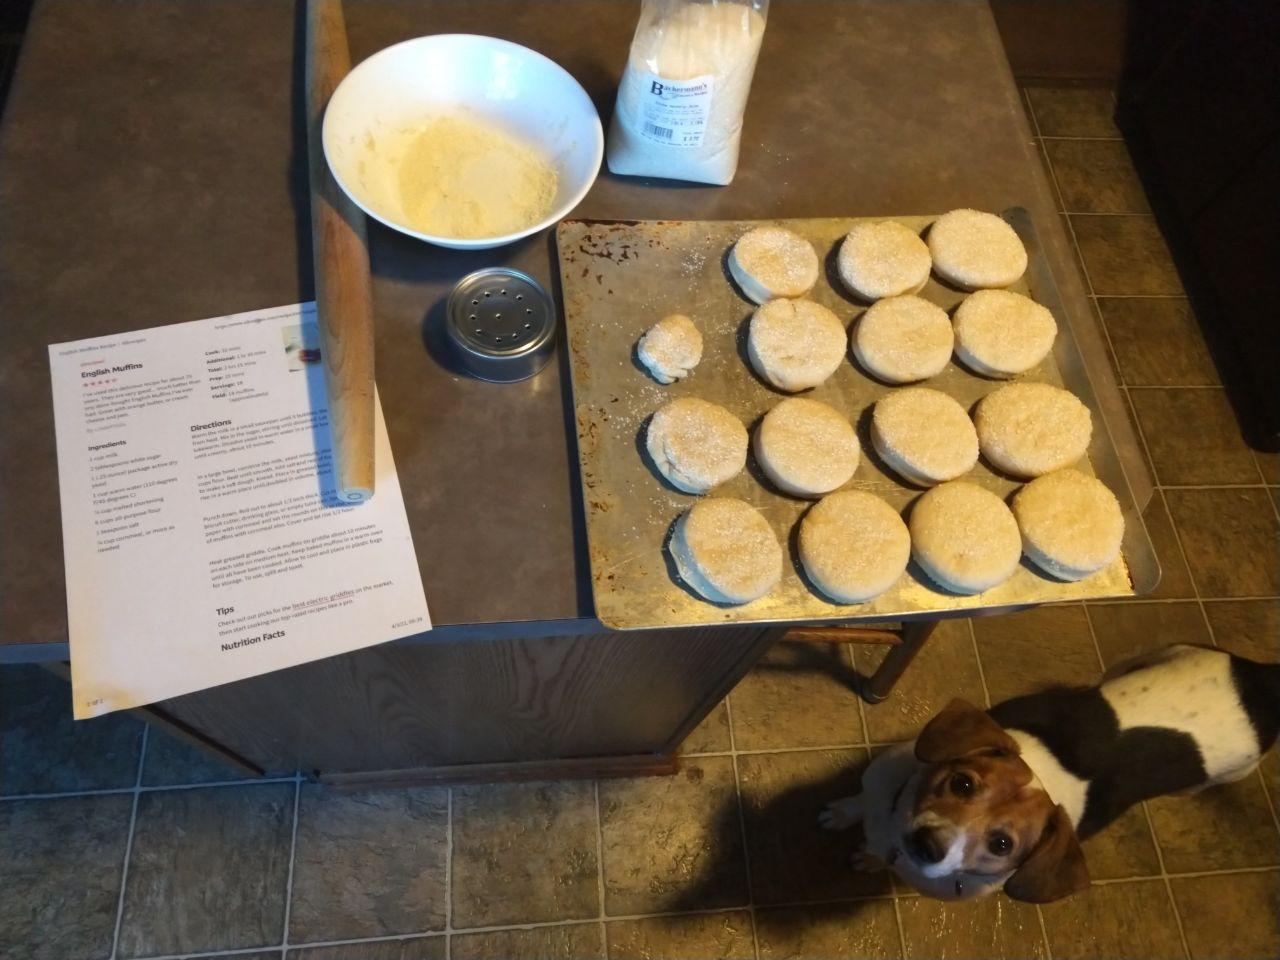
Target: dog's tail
(1258, 685)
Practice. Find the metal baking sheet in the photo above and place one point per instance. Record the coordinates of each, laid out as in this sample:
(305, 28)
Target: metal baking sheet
(618, 278)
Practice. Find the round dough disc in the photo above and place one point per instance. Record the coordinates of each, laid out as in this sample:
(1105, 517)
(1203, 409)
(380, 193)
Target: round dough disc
(795, 344)
(924, 435)
(671, 348)
(1000, 333)
(903, 339)
(806, 448)
(770, 262)
(883, 260)
(726, 551)
(1029, 429)
(696, 445)
(972, 249)
(1071, 524)
(853, 546)
(964, 537)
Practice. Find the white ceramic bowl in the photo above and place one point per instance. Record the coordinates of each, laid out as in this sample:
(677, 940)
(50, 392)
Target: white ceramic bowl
(510, 86)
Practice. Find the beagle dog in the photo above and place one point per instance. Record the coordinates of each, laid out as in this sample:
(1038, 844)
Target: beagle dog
(1002, 798)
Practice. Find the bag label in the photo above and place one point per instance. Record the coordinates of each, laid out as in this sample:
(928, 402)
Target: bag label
(675, 112)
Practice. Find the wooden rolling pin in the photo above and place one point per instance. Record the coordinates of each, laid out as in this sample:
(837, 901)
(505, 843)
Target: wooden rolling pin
(344, 304)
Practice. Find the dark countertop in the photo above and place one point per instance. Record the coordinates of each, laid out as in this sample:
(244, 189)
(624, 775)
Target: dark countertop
(152, 170)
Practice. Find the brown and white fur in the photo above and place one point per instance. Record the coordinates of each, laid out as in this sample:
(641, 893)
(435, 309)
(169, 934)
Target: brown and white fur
(980, 801)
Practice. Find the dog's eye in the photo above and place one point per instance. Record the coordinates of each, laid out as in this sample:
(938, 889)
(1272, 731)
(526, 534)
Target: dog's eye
(999, 844)
(961, 784)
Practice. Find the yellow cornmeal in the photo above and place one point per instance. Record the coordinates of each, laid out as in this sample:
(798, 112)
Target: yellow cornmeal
(467, 179)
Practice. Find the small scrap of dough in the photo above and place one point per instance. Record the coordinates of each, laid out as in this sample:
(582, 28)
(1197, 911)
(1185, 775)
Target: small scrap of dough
(883, 260)
(924, 435)
(1029, 429)
(903, 339)
(795, 344)
(726, 551)
(770, 262)
(1071, 524)
(853, 546)
(1000, 333)
(806, 448)
(671, 348)
(695, 444)
(964, 537)
(973, 249)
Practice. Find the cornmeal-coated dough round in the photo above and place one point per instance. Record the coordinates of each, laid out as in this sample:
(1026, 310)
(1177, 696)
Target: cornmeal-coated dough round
(671, 348)
(726, 551)
(903, 339)
(1001, 334)
(795, 344)
(964, 537)
(923, 435)
(883, 260)
(695, 444)
(1029, 429)
(1071, 524)
(770, 262)
(972, 249)
(853, 546)
(805, 447)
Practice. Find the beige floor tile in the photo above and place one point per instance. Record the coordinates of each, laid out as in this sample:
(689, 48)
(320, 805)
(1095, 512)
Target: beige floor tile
(1114, 921)
(1222, 828)
(1250, 628)
(417, 948)
(1073, 111)
(1157, 342)
(1096, 176)
(865, 929)
(1124, 849)
(524, 853)
(1269, 464)
(798, 695)
(698, 936)
(673, 843)
(1126, 630)
(1175, 578)
(1231, 917)
(993, 928)
(947, 667)
(1025, 652)
(1229, 537)
(1125, 255)
(369, 864)
(792, 859)
(711, 735)
(1193, 436)
(576, 941)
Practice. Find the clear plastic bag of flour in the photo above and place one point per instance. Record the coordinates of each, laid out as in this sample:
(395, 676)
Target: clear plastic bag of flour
(683, 94)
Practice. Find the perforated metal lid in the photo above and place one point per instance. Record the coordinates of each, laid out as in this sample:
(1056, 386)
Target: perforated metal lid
(502, 324)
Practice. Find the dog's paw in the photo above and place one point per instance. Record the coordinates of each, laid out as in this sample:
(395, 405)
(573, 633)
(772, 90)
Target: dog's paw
(841, 814)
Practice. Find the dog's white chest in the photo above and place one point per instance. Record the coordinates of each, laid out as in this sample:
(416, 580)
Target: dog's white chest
(1191, 692)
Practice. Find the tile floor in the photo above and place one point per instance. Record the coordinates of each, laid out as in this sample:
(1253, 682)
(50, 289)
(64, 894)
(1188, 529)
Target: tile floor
(119, 842)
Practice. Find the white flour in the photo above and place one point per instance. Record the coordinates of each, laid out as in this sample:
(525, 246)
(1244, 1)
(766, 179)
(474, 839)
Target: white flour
(681, 99)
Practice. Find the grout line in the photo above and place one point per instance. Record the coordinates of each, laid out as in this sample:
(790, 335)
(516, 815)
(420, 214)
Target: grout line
(293, 851)
(1095, 213)
(1044, 932)
(1043, 136)
(1170, 386)
(1140, 296)
(1213, 486)
(448, 874)
(897, 917)
(154, 788)
(128, 843)
(214, 954)
(742, 831)
(600, 856)
(982, 673)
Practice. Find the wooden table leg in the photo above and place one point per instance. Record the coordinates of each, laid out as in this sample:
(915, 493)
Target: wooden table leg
(879, 685)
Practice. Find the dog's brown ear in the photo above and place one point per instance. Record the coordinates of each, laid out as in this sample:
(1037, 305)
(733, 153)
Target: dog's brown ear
(1056, 866)
(959, 730)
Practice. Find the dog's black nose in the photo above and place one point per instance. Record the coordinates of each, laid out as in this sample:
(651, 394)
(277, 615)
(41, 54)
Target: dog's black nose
(924, 846)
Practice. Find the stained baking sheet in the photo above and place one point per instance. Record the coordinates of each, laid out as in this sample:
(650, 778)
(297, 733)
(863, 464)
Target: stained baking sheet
(618, 278)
